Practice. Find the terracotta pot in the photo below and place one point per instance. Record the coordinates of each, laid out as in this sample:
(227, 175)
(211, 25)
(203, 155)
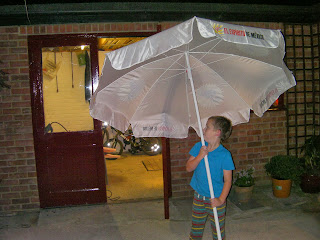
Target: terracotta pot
(243, 194)
(281, 188)
(310, 183)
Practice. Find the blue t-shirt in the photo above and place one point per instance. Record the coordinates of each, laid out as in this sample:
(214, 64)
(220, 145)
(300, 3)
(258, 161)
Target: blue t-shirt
(219, 159)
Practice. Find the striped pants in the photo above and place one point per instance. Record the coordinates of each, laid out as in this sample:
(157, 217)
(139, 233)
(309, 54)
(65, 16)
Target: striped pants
(201, 209)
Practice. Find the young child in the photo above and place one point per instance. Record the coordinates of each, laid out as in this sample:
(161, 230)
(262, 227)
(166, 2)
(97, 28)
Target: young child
(221, 165)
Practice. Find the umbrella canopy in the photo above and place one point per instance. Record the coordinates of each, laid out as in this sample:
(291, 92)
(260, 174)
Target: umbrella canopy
(235, 69)
(178, 78)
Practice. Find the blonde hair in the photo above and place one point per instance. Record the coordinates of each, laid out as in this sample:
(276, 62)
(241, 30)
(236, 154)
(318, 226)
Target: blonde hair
(223, 124)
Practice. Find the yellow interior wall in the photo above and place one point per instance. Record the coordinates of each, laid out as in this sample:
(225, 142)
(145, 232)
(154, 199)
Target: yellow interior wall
(101, 56)
(62, 102)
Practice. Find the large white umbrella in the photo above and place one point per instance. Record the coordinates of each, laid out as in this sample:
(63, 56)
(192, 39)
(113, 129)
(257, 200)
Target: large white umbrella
(178, 78)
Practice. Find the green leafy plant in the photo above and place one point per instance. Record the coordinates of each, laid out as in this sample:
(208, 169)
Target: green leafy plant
(284, 167)
(311, 158)
(244, 178)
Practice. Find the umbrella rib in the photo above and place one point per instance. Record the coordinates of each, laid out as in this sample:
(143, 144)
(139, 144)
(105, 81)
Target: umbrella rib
(187, 95)
(180, 52)
(166, 56)
(175, 69)
(154, 84)
(230, 56)
(205, 65)
(209, 49)
(219, 40)
(171, 76)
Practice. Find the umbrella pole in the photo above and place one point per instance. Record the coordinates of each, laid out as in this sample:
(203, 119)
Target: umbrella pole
(215, 213)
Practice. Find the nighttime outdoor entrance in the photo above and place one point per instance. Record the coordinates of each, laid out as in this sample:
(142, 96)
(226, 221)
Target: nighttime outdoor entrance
(71, 166)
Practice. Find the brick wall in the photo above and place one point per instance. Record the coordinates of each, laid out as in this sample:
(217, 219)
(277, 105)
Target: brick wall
(250, 144)
(18, 187)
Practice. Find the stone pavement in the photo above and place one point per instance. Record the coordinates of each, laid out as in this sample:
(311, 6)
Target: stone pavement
(264, 217)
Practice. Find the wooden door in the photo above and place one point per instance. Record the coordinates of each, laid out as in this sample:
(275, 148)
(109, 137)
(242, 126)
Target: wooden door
(67, 141)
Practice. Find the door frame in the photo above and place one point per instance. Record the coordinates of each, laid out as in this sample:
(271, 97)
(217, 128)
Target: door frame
(36, 88)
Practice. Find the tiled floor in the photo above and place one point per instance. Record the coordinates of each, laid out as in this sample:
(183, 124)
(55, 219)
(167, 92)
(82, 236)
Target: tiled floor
(129, 180)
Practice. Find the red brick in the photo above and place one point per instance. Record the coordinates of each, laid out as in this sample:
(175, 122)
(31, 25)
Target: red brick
(9, 44)
(254, 144)
(17, 37)
(30, 30)
(8, 169)
(95, 27)
(21, 91)
(56, 28)
(23, 44)
(31, 206)
(49, 29)
(36, 29)
(18, 50)
(10, 195)
(82, 28)
(26, 169)
(20, 200)
(107, 27)
(6, 144)
(33, 187)
(4, 189)
(12, 111)
(4, 37)
(25, 142)
(11, 29)
(88, 28)
(9, 57)
(101, 27)
(3, 163)
(35, 198)
(12, 208)
(75, 28)
(23, 30)
(144, 26)
(27, 181)
(17, 162)
(62, 28)
(69, 28)
(17, 175)
(19, 64)
(8, 182)
(4, 50)
(25, 155)
(113, 27)
(5, 202)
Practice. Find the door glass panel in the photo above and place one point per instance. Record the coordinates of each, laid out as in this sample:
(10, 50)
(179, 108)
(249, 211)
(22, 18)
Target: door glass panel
(67, 87)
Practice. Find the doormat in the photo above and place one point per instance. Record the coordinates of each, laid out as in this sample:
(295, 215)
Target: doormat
(251, 204)
(152, 164)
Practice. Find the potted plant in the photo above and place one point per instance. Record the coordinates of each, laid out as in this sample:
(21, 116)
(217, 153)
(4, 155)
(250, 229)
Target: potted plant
(310, 180)
(283, 169)
(243, 184)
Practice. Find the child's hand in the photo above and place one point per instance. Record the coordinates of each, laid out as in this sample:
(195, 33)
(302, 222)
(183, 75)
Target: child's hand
(215, 202)
(203, 152)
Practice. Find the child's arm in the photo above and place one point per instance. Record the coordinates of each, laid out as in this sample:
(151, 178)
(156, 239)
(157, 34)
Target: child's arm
(227, 175)
(193, 162)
